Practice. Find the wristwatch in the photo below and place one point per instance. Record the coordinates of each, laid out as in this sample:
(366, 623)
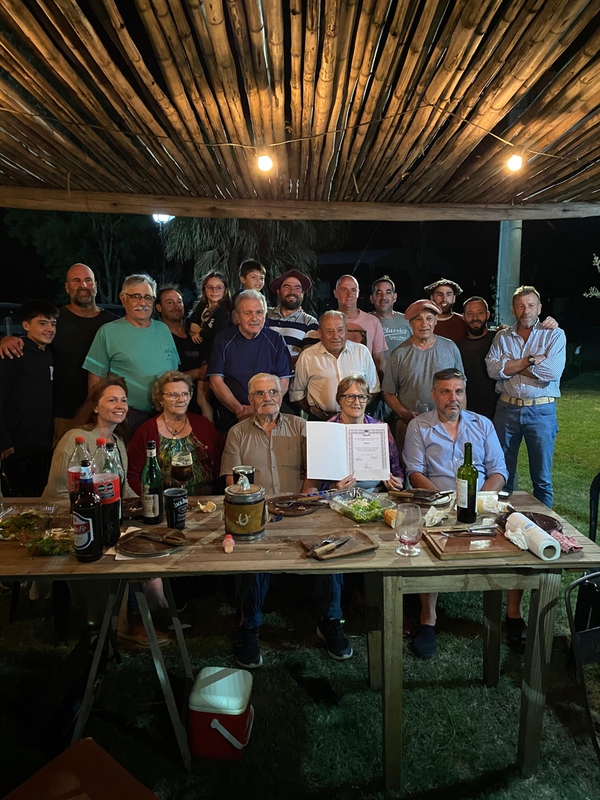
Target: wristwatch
(531, 361)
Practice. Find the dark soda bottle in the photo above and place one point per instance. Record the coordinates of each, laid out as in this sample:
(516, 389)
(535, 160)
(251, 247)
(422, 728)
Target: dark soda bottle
(152, 487)
(87, 518)
(80, 454)
(107, 486)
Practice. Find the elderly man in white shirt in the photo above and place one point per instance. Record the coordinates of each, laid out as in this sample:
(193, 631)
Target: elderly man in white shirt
(320, 368)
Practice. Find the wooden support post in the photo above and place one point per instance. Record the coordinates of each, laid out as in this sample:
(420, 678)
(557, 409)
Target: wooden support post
(538, 651)
(392, 680)
(492, 620)
(509, 268)
(374, 612)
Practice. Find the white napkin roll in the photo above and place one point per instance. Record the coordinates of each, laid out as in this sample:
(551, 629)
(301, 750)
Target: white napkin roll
(538, 541)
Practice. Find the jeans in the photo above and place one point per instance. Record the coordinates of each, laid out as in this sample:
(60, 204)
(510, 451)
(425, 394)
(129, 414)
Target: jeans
(252, 590)
(538, 426)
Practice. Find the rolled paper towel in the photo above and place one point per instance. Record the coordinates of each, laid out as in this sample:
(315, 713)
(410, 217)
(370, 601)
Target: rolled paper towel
(538, 541)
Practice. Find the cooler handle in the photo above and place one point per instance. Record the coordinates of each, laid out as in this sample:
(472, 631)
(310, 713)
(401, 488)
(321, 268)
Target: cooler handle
(231, 739)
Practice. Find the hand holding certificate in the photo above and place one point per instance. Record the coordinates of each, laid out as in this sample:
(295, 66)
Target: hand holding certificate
(335, 451)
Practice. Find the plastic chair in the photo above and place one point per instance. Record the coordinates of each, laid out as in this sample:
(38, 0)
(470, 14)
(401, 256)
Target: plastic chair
(585, 635)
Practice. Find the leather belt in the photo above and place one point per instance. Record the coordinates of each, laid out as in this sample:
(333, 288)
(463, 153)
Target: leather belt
(320, 414)
(527, 401)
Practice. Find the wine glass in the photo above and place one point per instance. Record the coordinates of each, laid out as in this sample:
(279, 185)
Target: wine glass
(423, 406)
(409, 529)
(182, 467)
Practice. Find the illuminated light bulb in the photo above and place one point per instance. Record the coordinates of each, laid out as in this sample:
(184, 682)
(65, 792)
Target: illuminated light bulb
(515, 162)
(265, 163)
(161, 219)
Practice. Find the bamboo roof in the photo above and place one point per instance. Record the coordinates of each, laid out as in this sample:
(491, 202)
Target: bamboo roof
(364, 105)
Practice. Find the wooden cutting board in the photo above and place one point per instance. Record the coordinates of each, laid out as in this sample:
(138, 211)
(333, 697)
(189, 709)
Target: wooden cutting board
(359, 542)
(449, 547)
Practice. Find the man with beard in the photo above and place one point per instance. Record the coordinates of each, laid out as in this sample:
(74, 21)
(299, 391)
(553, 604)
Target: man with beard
(481, 397)
(288, 318)
(450, 324)
(77, 324)
(396, 328)
(435, 442)
(171, 311)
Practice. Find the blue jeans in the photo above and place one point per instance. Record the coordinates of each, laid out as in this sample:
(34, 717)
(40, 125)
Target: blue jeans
(252, 589)
(538, 426)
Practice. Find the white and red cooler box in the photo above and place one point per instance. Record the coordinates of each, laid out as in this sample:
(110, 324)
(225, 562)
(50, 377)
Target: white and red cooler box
(221, 717)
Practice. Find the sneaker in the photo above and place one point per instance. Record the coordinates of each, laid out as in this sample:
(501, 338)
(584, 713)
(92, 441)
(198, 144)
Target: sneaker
(516, 631)
(424, 644)
(332, 633)
(247, 651)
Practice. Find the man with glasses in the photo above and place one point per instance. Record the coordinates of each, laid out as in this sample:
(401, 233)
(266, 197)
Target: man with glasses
(136, 347)
(275, 445)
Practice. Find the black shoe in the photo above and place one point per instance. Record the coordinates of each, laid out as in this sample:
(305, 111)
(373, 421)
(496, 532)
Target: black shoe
(332, 633)
(516, 631)
(424, 644)
(247, 652)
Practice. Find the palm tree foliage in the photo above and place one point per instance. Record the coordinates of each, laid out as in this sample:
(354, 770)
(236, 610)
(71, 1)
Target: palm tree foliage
(224, 243)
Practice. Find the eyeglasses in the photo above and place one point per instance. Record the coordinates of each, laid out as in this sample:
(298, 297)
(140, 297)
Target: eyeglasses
(177, 395)
(351, 398)
(262, 393)
(137, 297)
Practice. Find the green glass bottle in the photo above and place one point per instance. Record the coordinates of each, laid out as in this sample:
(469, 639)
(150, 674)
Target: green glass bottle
(466, 488)
(152, 487)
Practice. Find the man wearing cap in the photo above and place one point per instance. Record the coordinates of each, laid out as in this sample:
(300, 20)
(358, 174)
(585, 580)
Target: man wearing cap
(450, 324)
(411, 366)
(527, 362)
(288, 318)
(362, 328)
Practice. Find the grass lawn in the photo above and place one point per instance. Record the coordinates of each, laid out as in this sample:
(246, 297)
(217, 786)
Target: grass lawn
(318, 726)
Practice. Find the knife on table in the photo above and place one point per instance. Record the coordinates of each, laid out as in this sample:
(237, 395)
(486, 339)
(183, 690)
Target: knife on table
(317, 552)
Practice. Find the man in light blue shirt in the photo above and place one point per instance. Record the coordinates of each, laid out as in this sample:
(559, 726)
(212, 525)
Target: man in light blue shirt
(527, 362)
(433, 450)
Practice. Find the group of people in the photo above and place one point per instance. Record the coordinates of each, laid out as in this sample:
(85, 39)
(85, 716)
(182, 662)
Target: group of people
(235, 383)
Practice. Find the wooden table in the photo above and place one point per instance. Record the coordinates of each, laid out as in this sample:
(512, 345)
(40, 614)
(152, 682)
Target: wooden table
(388, 577)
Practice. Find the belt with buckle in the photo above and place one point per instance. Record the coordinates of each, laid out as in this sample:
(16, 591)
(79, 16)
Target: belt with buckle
(527, 401)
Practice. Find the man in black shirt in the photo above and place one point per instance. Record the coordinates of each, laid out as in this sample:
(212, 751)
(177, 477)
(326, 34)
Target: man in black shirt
(78, 323)
(26, 404)
(474, 347)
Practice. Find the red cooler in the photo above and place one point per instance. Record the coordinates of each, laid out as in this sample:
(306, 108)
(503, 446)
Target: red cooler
(221, 717)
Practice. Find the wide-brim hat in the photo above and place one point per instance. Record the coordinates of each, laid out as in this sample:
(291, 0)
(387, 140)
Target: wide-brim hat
(305, 281)
(444, 282)
(415, 308)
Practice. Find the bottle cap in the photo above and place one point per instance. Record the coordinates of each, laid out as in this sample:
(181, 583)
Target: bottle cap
(100, 441)
(79, 439)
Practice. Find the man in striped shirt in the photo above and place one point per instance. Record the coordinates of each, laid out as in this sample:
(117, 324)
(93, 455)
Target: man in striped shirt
(288, 318)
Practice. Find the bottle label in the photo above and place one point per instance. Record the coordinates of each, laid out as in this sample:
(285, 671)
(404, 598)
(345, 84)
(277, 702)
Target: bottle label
(150, 505)
(462, 493)
(107, 487)
(73, 479)
(83, 528)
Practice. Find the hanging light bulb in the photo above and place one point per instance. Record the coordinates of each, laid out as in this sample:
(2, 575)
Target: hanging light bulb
(515, 162)
(265, 163)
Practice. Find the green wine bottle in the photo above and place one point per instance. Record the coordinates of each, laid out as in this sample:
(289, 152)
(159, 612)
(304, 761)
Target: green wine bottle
(466, 488)
(152, 487)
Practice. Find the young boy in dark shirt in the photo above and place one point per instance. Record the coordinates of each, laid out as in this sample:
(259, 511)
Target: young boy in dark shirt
(26, 424)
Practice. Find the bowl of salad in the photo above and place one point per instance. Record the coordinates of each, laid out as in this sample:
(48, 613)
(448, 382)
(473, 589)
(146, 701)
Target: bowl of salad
(361, 505)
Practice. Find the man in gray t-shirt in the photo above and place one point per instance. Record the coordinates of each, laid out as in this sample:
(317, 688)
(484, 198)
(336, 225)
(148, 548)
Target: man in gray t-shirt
(396, 328)
(409, 373)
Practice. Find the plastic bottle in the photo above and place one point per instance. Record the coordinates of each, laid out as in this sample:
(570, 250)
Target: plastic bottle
(107, 486)
(87, 518)
(80, 453)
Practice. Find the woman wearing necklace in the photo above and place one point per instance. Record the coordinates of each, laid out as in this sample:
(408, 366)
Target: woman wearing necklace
(176, 431)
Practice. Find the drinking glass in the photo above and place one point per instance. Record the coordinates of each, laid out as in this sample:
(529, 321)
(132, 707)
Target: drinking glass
(409, 529)
(182, 467)
(423, 406)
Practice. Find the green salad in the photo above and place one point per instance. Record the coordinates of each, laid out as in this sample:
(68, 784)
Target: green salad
(21, 526)
(56, 542)
(363, 510)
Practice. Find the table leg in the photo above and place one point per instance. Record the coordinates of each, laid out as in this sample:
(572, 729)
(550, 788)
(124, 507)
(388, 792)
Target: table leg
(161, 671)
(185, 656)
(538, 651)
(374, 603)
(113, 602)
(492, 623)
(392, 680)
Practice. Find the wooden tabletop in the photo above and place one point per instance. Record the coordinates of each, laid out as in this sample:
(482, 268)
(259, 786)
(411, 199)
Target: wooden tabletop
(280, 550)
